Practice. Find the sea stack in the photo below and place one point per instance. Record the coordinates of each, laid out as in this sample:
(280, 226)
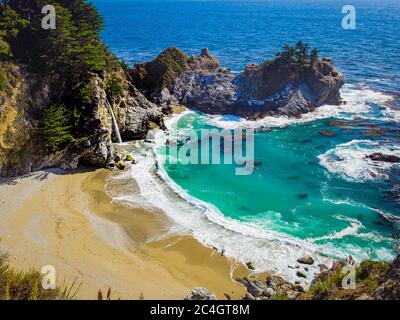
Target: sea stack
(290, 85)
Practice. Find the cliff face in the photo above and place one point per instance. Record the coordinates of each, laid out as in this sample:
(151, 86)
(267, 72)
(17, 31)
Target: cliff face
(25, 97)
(272, 88)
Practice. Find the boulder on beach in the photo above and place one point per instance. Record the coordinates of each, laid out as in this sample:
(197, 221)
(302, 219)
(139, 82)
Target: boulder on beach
(306, 260)
(200, 294)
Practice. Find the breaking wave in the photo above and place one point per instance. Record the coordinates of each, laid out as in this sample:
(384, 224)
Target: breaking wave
(361, 103)
(349, 160)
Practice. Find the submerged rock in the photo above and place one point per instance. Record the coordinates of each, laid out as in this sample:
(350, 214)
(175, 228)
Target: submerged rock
(327, 133)
(384, 157)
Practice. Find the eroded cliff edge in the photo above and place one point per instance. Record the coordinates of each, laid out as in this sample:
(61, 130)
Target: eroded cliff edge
(54, 85)
(293, 83)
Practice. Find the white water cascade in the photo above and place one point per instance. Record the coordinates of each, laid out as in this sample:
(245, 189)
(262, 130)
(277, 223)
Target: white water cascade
(116, 128)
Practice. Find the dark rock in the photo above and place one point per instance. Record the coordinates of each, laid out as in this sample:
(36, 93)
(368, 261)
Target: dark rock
(121, 165)
(384, 157)
(255, 288)
(326, 133)
(227, 296)
(306, 260)
(301, 274)
(303, 195)
(250, 266)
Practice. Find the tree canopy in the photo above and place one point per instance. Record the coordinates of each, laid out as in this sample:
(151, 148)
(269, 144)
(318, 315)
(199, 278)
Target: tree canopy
(299, 54)
(73, 48)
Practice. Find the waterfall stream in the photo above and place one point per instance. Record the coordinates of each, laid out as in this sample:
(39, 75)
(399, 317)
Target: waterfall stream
(116, 128)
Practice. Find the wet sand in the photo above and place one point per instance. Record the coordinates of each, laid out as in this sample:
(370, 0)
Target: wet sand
(69, 221)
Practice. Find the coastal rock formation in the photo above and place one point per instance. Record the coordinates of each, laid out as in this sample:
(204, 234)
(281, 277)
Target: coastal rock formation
(375, 281)
(277, 87)
(306, 260)
(384, 157)
(60, 103)
(200, 294)
(22, 104)
(273, 287)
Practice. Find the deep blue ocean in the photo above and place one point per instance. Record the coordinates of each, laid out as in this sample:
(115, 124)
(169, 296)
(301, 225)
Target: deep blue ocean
(309, 188)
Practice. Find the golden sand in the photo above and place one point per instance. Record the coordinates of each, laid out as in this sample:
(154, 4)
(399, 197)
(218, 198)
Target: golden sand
(68, 221)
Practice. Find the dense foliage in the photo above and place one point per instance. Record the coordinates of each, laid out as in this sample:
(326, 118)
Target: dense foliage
(67, 56)
(299, 54)
(160, 72)
(72, 48)
(19, 285)
(57, 126)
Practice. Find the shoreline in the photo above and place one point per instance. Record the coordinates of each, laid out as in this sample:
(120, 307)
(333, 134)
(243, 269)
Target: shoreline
(69, 221)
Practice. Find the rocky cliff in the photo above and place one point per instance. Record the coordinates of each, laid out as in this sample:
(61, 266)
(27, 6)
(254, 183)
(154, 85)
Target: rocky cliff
(277, 87)
(26, 96)
(373, 281)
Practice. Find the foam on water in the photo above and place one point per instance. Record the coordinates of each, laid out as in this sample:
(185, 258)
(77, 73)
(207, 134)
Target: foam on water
(354, 227)
(349, 160)
(267, 250)
(359, 103)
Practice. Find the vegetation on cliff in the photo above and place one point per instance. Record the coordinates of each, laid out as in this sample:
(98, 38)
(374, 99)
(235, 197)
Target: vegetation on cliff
(161, 72)
(53, 84)
(370, 280)
(57, 126)
(299, 54)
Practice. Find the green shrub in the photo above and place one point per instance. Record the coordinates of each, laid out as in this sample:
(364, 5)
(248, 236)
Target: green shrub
(56, 126)
(3, 81)
(85, 93)
(115, 86)
(19, 285)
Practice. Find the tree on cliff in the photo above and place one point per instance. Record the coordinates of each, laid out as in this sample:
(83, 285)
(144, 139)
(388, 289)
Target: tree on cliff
(56, 126)
(73, 48)
(298, 55)
(10, 24)
(314, 55)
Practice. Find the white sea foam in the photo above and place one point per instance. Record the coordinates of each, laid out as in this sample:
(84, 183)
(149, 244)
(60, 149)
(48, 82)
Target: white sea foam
(361, 102)
(242, 241)
(355, 226)
(349, 160)
(246, 241)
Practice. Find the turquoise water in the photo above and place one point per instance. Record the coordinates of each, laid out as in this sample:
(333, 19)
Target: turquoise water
(292, 193)
(309, 186)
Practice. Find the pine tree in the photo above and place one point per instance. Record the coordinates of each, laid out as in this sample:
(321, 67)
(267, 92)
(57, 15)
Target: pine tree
(314, 55)
(56, 127)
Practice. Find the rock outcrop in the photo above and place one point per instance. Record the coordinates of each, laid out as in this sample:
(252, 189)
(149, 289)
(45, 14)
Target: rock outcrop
(200, 294)
(374, 281)
(273, 288)
(384, 157)
(273, 88)
(25, 97)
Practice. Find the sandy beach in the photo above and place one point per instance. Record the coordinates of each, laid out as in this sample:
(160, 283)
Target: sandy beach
(67, 220)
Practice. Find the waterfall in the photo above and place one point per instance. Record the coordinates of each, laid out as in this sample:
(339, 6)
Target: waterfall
(116, 128)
